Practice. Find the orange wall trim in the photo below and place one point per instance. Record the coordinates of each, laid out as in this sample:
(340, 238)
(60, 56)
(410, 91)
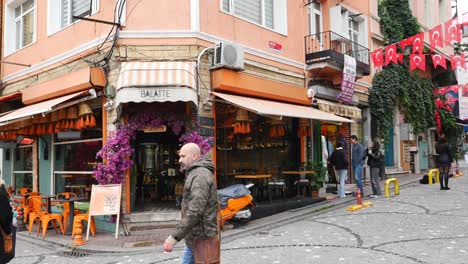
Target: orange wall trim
(70, 83)
(253, 86)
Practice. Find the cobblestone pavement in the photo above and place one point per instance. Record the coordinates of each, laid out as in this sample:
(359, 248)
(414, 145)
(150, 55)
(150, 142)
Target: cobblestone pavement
(421, 225)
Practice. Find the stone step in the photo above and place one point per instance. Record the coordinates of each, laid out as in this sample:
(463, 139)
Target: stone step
(395, 170)
(145, 228)
(146, 217)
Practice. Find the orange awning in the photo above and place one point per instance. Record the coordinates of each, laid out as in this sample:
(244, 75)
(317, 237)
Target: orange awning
(76, 81)
(9, 97)
(42, 107)
(276, 109)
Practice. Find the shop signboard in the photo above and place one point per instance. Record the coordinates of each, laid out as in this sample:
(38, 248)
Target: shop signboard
(105, 200)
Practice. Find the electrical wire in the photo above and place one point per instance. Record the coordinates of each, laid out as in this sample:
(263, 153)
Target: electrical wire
(118, 11)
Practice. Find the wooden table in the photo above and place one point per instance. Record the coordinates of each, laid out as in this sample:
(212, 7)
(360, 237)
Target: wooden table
(71, 205)
(300, 173)
(297, 172)
(253, 176)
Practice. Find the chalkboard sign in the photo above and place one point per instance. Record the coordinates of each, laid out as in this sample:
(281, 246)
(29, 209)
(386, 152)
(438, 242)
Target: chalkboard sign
(105, 200)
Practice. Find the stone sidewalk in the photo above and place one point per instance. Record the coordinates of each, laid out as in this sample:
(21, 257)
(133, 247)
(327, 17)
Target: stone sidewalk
(106, 242)
(421, 225)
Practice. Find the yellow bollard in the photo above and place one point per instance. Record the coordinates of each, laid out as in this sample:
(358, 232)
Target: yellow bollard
(395, 186)
(437, 174)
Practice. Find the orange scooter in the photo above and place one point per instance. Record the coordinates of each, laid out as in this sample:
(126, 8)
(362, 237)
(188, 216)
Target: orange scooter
(236, 203)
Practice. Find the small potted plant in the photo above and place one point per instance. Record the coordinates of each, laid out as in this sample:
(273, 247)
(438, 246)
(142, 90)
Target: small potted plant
(316, 179)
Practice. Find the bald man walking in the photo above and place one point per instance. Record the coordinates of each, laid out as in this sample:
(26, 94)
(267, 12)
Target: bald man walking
(199, 202)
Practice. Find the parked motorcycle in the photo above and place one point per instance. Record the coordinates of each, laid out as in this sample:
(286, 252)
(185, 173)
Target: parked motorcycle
(235, 201)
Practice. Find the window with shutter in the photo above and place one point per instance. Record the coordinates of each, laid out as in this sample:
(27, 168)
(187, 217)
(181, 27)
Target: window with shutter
(70, 8)
(268, 13)
(226, 6)
(249, 9)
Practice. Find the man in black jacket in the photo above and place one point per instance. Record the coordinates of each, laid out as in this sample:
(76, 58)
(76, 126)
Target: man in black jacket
(340, 162)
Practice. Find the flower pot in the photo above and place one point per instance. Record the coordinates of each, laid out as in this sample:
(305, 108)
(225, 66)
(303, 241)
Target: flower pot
(315, 193)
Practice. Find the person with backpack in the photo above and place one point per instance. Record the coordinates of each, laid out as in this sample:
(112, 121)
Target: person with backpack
(339, 161)
(375, 159)
(358, 156)
(444, 160)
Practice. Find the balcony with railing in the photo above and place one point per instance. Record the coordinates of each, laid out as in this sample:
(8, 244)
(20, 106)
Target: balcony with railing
(327, 49)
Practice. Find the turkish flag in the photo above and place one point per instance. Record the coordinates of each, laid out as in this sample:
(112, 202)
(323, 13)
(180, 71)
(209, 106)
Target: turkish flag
(442, 90)
(417, 61)
(457, 60)
(435, 37)
(452, 31)
(405, 42)
(377, 58)
(418, 43)
(400, 58)
(390, 54)
(437, 60)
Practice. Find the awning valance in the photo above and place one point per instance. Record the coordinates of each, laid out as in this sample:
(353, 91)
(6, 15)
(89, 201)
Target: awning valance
(165, 81)
(338, 109)
(276, 109)
(76, 81)
(43, 107)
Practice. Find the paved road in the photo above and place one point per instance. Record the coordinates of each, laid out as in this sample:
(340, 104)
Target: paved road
(422, 225)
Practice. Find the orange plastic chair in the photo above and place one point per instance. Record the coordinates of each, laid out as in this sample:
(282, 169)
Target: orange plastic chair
(41, 215)
(24, 191)
(84, 218)
(27, 207)
(66, 207)
(34, 205)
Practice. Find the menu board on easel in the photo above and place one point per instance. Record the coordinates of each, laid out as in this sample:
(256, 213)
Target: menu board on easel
(105, 200)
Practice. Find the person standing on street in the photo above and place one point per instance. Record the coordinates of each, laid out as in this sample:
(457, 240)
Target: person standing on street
(358, 156)
(339, 161)
(199, 202)
(375, 160)
(444, 160)
(6, 219)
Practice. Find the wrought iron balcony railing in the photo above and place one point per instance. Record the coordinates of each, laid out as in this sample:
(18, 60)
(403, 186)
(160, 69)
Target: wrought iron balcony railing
(328, 45)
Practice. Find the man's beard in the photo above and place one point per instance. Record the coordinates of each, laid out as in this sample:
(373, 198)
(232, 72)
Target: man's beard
(182, 167)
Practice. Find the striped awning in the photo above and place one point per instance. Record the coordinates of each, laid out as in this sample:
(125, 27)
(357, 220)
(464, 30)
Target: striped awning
(160, 81)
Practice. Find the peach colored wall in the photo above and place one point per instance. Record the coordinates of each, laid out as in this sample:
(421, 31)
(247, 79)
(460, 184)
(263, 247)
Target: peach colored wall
(147, 15)
(213, 21)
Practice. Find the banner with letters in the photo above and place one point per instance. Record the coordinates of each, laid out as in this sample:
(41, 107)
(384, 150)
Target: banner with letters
(349, 80)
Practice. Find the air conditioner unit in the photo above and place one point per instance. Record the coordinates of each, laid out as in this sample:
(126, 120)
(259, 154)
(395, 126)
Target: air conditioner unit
(228, 55)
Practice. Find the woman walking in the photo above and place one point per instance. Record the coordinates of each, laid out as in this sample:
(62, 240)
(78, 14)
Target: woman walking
(444, 160)
(339, 161)
(375, 160)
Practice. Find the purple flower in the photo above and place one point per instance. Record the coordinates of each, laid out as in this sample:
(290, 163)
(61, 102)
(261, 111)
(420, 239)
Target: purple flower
(117, 151)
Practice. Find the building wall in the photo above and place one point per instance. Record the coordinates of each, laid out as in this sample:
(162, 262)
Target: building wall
(160, 23)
